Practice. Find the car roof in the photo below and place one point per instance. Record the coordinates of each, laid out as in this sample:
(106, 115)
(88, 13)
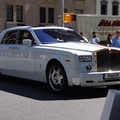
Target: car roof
(35, 28)
(16, 28)
(50, 27)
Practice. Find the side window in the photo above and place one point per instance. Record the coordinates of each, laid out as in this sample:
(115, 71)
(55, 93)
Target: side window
(10, 37)
(25, 35)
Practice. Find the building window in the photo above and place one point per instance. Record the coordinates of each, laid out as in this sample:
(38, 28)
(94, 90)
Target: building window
(115, 7)
(104, 7)
(42, 15)
(10, 13)
(77, 11)
(19, 13)
(51, 15)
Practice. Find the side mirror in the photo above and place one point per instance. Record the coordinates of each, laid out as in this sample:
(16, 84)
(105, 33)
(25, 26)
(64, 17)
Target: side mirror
(27, 42)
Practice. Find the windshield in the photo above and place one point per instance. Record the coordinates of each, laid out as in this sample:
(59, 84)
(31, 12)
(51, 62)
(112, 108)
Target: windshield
(47, 36)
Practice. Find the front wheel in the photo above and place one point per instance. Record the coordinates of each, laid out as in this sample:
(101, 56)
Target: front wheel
(56, 78)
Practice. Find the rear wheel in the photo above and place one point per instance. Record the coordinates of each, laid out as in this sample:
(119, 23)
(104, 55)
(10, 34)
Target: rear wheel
(56, 78)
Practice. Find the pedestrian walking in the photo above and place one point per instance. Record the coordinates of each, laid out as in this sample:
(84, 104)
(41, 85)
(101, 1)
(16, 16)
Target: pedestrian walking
(109, 39)
(94, 39)
(116, 40)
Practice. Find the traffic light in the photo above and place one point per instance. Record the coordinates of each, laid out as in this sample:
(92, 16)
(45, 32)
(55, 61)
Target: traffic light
(73, 18)
(69, 17)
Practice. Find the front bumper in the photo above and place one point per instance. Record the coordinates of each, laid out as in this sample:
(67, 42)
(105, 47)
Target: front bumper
(96, 79)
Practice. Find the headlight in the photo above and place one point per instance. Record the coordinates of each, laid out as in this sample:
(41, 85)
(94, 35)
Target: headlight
(85, 58)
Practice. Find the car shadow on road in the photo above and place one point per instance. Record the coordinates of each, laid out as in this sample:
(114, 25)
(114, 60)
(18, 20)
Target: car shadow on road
(40, 91)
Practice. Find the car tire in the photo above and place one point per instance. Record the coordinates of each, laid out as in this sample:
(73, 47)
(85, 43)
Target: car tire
(56, 78)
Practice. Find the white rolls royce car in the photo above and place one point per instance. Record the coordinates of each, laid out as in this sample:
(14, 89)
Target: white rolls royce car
(58, 56)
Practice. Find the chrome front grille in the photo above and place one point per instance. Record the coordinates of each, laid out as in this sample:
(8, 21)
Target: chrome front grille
(108, 60)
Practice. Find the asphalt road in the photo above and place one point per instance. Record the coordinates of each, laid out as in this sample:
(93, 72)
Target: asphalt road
(27, 100)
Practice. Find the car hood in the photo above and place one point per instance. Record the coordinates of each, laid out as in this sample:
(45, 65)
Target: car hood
(78, 46)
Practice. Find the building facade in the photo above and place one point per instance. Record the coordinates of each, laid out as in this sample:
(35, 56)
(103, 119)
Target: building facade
(108, 7)
(38, 12)
(90, 7)
(50, 12)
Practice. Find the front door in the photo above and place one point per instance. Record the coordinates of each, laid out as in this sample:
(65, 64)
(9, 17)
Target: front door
(24, 57)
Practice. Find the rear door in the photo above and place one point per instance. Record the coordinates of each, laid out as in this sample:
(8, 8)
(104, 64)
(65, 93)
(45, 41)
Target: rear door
(7, 49)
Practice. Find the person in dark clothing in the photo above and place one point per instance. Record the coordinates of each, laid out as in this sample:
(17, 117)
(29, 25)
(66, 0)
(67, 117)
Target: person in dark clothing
(109, 39)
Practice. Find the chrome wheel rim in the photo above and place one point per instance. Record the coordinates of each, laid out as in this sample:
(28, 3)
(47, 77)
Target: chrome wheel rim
(56, 78)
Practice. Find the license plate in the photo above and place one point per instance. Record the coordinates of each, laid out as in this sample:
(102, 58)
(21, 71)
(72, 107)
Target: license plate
(111, 75)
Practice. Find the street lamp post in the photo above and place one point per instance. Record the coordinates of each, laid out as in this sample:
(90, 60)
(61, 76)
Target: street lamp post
(62, 14)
